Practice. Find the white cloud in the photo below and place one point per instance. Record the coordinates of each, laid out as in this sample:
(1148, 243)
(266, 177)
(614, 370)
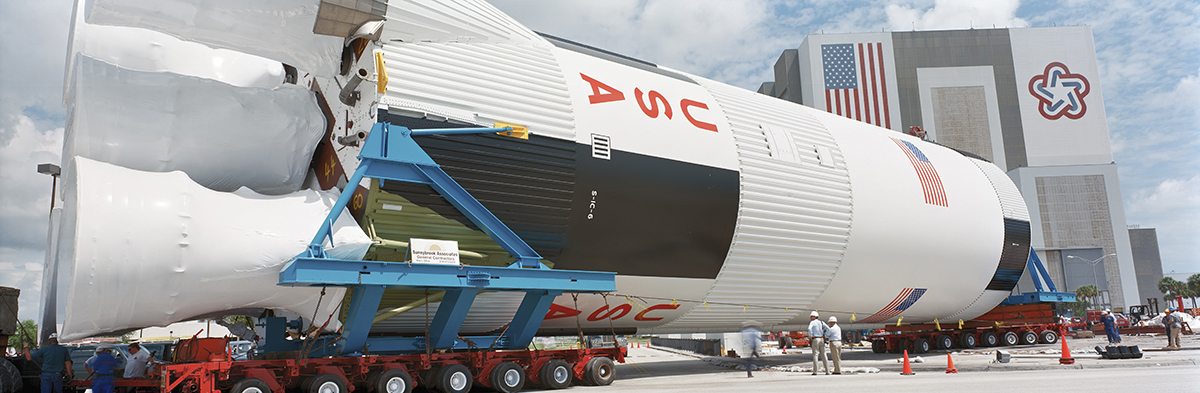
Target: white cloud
(954, 14)
(1173, 209)
(732, 41)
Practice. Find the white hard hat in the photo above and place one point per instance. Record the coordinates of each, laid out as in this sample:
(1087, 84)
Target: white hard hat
(53, 336)
(1105, 312)
(814, 314)
(832, 319)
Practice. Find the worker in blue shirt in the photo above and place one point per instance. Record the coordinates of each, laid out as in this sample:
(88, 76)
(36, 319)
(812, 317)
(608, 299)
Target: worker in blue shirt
(55, 360)
(101, 366)
(1110, 327)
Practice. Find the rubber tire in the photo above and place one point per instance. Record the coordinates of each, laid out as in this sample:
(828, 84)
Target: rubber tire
(323, 382)
(1009, 339)
(944, 341)
(448, 375)
(1028, 337)
(600, 371)
(988, 339)
(501, 381)
(878, 346)
(785, 342)
(387, 381)
(250, 385)
(555, 374)
(10, 377)
(920, 345)
(1048, 337)
(967, 341)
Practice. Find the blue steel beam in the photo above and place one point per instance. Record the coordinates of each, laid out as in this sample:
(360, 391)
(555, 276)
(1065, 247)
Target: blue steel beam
(529, 317)
(363, 305)
(451, 313)
(322, 271)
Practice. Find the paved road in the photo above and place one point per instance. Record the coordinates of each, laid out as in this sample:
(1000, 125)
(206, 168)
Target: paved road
(1033, 369)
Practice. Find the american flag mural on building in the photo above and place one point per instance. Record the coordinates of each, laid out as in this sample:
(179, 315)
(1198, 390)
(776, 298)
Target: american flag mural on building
(903, 301)
(855, 82)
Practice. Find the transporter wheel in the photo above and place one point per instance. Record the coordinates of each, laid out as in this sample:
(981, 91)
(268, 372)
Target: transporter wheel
(555, 374)
(988, 339)
(508, 377)
(10, 377)
(967, 341)
(454, 378)
(600, 371)
(1028, 337)
(878, 346)
(901, 345)
(1010, 339)
(392, 381)
(944, 341)
(327, 383)
(1048, 337)
(920, 345)
(250, 385)
(785, 342)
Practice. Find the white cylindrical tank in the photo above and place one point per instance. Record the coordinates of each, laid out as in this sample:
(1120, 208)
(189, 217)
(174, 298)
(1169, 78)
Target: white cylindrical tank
(715, 205)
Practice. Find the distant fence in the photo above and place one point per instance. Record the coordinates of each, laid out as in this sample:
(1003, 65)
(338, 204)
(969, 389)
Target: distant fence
(704, 347)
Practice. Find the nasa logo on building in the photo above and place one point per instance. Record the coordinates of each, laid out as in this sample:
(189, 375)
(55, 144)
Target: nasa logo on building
(1059, 92)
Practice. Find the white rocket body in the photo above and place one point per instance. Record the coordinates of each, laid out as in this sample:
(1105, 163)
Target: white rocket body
(715, 205)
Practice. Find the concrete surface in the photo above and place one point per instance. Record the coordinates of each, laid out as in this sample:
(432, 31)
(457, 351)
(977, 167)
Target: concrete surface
(1033, 368)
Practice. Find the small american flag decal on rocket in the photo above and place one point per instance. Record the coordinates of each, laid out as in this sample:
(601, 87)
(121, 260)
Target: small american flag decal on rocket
(931, 184)
(902, 302)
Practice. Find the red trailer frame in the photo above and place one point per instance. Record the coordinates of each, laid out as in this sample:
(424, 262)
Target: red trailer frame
(553, 369)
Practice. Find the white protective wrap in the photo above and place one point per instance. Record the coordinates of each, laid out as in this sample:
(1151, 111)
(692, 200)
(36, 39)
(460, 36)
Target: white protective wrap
(150, 249)
(276, 29)
(149, 50)
(224, 137)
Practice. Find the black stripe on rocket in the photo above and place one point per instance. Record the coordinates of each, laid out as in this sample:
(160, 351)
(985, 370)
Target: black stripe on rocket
(1013, 257)
(633, 214)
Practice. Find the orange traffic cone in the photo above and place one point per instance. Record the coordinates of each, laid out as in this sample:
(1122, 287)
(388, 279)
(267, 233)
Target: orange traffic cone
(907, 367)
(784, 347)
(950, 365)
(1066, 353)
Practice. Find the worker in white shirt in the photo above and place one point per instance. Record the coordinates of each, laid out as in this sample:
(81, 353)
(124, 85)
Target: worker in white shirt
(833, 335)
(139, 358)
(816, 336)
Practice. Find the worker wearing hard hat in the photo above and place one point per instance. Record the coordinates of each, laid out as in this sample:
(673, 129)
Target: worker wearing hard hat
(833, 336)
(1174, 323)
(101, 367)
(1110, 327)
(816, 337)
(55, 360)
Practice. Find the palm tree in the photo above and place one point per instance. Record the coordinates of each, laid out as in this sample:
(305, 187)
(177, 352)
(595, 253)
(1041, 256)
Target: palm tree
(1193, 284)
(1087, 292)
(1171, 288)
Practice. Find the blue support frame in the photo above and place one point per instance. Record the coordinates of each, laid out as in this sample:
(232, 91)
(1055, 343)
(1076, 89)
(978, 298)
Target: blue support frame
(390, 154)
(1037, 272)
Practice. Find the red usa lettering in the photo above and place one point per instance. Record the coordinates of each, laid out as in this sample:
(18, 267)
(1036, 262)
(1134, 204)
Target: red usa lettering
(651, 102)
(604, 312)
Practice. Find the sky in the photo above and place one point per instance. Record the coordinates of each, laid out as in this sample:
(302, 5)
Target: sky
(1148, 53)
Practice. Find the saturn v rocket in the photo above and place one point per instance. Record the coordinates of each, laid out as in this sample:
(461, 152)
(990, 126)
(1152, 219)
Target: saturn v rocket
(206, 139)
